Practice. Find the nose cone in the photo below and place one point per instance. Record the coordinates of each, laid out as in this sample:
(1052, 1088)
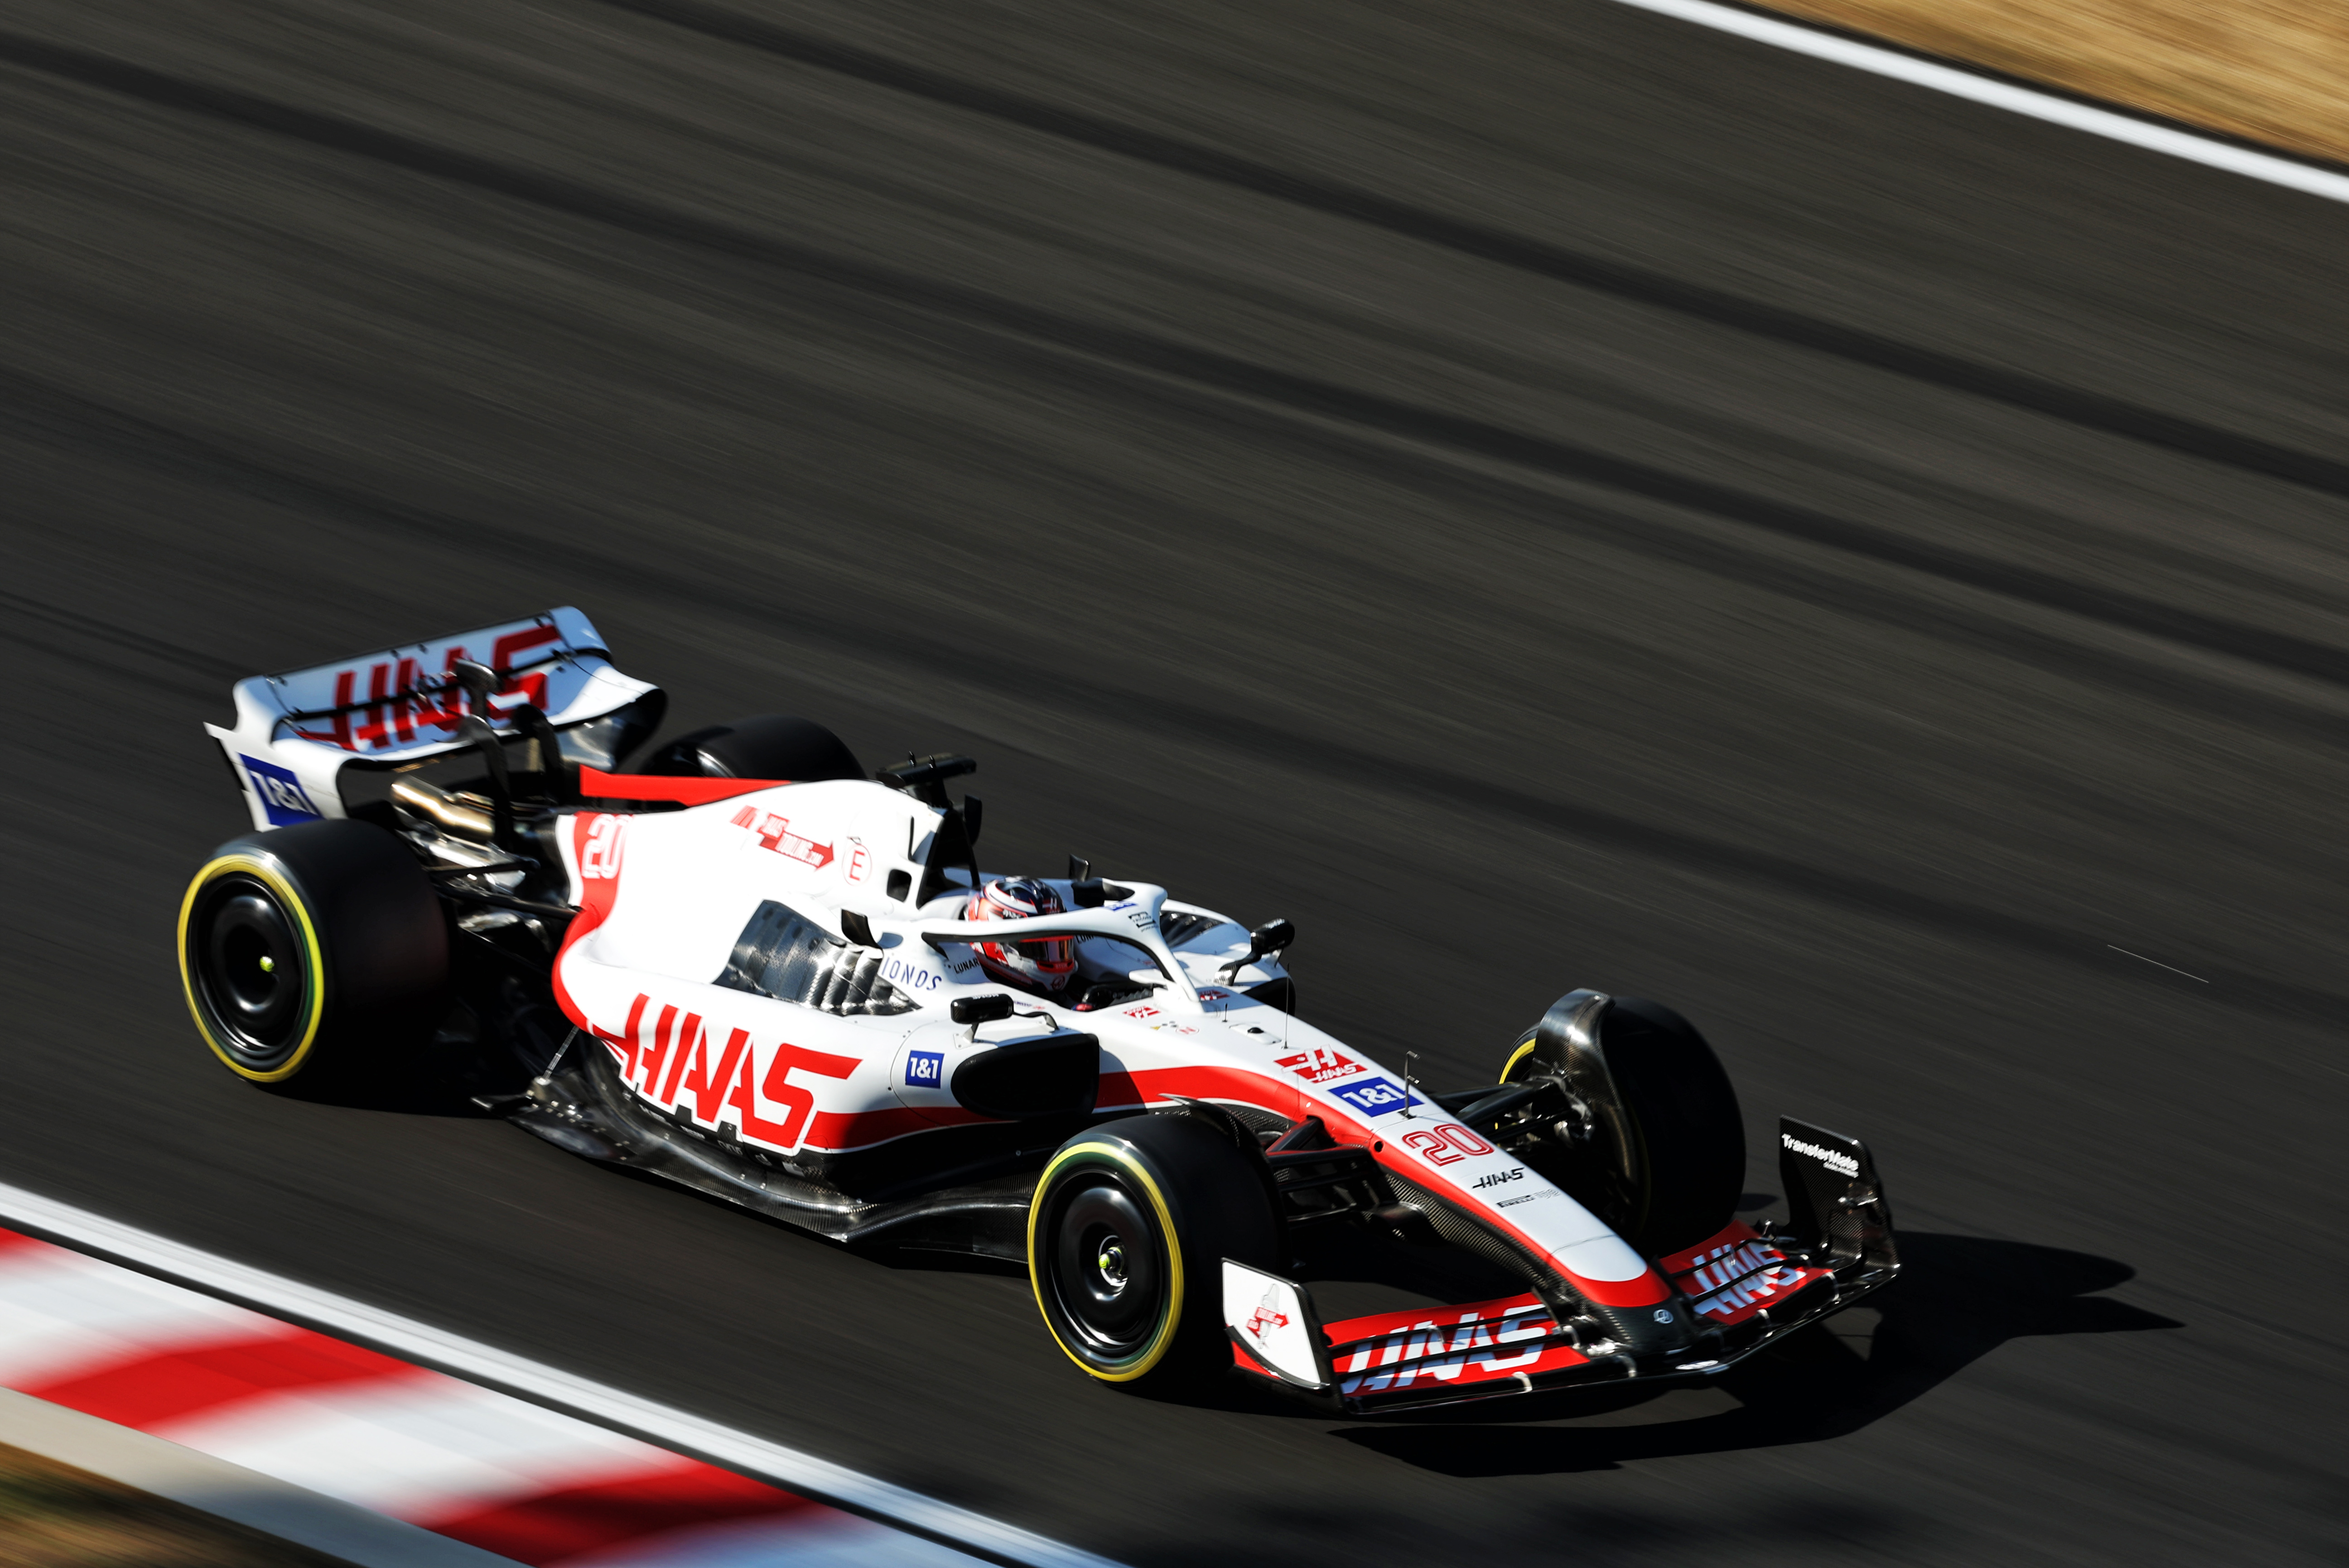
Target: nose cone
(1663, 1328)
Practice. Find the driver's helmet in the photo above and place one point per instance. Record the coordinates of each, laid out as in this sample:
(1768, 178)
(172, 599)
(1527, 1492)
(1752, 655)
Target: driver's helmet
(1045, 964)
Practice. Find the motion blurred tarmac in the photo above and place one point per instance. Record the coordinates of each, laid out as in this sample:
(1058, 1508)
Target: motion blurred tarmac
(1538, 496)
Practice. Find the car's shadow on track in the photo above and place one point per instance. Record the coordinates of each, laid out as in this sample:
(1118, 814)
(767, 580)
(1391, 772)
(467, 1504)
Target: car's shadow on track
(454, 1075)
(1957, 1299)
(433, 1089)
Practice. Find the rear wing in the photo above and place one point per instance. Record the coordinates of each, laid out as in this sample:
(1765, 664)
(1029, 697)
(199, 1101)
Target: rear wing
(296, 733)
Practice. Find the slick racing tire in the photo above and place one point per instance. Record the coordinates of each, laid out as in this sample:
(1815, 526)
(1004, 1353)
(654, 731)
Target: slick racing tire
(1664, 1162)
(771, 746)
(315, 952)
(1126, 1232)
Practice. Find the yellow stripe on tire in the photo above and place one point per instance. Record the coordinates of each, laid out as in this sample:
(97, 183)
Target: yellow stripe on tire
(1525, 1048)
(313, 1001)
(1155, 1351)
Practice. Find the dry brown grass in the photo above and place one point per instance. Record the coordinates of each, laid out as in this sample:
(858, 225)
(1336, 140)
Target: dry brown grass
(54, 1516)
(2273, 70)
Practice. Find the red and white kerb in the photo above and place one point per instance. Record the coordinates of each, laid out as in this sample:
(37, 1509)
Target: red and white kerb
(480, 1467)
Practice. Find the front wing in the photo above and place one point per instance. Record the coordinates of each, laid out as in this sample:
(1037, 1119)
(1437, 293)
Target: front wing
(1747, 1290)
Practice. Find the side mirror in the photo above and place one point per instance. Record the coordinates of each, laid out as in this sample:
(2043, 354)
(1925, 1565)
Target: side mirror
(1272, 937)
(973, 1011)
(479, 681)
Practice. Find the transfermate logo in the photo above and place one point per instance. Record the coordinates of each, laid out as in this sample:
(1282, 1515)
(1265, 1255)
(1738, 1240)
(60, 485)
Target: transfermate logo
(1835, 1160)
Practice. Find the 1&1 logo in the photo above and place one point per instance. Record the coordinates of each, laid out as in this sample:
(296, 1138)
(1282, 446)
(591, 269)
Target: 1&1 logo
(1374, 1096)
(282, 797)
(924, 1069)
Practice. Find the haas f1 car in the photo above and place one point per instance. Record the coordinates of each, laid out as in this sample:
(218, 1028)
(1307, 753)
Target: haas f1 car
(752, 968)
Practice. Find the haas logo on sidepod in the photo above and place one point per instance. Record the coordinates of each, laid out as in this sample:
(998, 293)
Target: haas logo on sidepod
(676, 1063)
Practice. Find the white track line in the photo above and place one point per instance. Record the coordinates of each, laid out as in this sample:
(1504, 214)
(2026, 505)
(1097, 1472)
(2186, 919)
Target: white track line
(429, 1346)
(1964, 84)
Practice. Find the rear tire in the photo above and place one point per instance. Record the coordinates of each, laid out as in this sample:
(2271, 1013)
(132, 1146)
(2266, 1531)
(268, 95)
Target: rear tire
(317, 952)
(1126, 1234)
(770, 746)
(1667, 1163)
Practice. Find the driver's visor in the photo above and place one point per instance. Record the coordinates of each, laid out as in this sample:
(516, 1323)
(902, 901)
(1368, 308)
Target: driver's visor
(1053, 955)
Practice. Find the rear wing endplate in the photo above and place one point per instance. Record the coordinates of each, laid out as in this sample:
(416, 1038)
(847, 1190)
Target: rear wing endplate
(296, 734)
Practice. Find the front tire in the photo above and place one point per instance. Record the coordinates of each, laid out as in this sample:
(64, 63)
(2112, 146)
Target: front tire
(314, 953)
(1126, 1232)
(1664, 1161)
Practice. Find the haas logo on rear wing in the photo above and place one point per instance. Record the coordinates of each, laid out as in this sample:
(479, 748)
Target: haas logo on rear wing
(296, 732)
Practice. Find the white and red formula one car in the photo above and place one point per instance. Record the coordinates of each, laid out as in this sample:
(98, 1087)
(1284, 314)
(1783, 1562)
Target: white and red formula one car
(749, 969)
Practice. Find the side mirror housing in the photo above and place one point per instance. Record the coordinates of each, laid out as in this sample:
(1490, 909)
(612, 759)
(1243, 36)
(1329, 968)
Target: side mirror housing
(977, 1010)
(1272, 937)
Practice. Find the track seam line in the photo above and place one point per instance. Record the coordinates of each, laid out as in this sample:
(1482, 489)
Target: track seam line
(600, 1404)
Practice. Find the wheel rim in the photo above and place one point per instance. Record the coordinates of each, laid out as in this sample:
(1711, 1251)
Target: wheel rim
(249, 972)
(1107, 1268)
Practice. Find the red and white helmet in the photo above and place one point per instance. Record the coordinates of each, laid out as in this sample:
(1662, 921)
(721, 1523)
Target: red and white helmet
(1045, 964)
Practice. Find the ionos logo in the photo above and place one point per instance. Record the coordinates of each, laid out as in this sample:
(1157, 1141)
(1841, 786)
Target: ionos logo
(1834, 1159)
(913, 977)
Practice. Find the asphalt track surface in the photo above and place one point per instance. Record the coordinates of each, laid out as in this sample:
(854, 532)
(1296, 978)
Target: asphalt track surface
(1539, 494)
